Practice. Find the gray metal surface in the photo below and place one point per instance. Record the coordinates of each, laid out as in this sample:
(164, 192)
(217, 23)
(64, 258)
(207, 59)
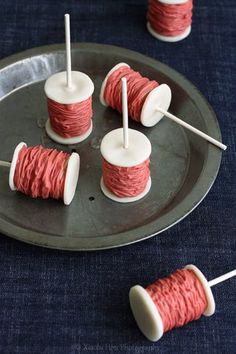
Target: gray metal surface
(183, 166)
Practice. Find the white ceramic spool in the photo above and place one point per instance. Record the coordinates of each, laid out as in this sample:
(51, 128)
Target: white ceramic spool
(57, 90)
(147, 315)
(177, 38)
(138, 151)
(160, 96)
(71, 179)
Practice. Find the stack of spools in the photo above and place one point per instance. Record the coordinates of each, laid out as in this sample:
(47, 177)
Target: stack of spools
(148, 101)
(125, 152)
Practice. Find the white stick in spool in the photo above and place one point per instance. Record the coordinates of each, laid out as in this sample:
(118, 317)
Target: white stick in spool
(147, 315)
(5, 163)
(68, 50)
(164, 38)
(222, 278)
(125, 113)
(192, 129)
(71, 178)
(68, 87)
(125, 147)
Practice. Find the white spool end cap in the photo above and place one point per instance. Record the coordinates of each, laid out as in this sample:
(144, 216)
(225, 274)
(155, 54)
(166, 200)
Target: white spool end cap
(56, 88)
(13, 165)
(210, 310)
(71, 179)
(67, 141)
(113, 151)
(116, 67)
(145, 313)
(163, 38)
(160, 96)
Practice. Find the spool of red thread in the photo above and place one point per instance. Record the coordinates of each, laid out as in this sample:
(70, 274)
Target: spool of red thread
(169, 20)
(163, 305)
(68, 174)
(146, 103)
(67, 103)
(126, 183)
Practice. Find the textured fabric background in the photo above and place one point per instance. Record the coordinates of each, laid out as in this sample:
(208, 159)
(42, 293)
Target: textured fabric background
(60, 302)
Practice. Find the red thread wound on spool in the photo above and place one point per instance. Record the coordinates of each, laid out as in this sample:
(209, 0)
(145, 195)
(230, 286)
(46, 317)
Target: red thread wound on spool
(169, 19)
(179, 298)
(41, 172)
(138, 88)
(126, 181)
(70, 120)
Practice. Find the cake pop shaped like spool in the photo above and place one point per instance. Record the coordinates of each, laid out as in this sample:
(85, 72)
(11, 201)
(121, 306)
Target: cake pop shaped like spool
(147, 314)
(155, 103)
(124, 147)
(66, 89)
(71, 177)
(169, 38)
(161, 96)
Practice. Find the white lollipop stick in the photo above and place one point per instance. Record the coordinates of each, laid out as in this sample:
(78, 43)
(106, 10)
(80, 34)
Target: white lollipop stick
(222, 278)
(190, 127)
(5, 164)
(125, 113)
(68, 50)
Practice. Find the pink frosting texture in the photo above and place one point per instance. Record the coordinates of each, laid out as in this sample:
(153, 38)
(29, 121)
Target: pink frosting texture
(179, 298)
(138, 88)
(70, 120)
(40, 172)
(169, 20)
(126, 181)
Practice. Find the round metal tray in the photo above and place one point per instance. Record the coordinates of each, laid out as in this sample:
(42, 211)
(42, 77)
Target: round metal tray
(183, 166)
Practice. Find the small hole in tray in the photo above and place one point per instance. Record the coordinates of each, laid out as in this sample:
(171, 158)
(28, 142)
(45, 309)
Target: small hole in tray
(91, 199)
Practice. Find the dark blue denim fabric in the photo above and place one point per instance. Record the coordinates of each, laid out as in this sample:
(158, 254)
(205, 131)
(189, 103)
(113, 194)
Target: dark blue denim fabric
(62, 302)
